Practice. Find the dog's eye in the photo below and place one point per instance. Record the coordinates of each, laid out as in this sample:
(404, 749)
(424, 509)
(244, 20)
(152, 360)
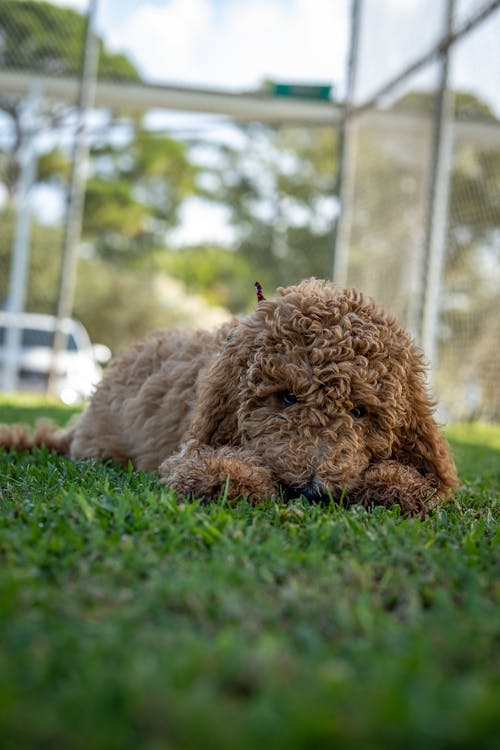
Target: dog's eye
(288, 398)
(358, 411)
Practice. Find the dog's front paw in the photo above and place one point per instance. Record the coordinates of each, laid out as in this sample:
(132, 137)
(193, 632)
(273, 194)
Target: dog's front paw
(391, 483)
(210, 473)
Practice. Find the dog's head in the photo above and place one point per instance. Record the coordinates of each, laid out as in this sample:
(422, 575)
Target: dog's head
(319, 384)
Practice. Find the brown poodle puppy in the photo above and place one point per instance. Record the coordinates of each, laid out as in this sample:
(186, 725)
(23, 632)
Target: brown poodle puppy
(317, 393)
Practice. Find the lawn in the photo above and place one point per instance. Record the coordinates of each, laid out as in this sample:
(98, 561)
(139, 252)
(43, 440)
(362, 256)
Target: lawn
(130, 620)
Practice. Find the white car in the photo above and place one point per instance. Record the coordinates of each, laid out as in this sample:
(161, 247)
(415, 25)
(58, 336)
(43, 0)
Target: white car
(78, 366)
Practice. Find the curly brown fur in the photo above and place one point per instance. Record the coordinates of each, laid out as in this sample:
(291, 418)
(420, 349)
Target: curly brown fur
(211, 411)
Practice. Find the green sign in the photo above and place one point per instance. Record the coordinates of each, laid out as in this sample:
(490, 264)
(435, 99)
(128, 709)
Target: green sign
(301, 91)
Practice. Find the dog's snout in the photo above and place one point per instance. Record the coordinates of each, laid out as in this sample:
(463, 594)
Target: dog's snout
(314, 492)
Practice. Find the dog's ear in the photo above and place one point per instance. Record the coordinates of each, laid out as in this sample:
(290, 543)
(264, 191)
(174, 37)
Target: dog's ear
(215, 422)
(421, 444)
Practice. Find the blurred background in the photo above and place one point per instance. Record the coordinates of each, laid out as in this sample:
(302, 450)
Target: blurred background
(159, 156)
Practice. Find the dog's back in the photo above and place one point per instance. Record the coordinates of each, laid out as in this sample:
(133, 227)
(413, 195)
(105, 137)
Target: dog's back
(141, 409)
(143, 406)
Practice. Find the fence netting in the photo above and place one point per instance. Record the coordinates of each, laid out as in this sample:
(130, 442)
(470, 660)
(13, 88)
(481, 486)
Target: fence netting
(386, 203)
(390, 170)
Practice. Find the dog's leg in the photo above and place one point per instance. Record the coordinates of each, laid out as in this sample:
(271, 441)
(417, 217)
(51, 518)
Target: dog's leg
(392, 483)
(208, 472)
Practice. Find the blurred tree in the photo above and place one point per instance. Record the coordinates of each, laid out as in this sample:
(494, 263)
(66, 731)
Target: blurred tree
(387, 218)
(466, 106)
(134, 194)
(120, 306)
(44, 262)
(116, 306)
(40, 37)
(223, 277)
(280, 191)
(138, 178)
(472, 274)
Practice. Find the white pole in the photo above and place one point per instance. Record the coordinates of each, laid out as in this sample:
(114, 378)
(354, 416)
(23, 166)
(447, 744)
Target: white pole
(76, 193)
(347, 149)
(22, 235)
(439, 189)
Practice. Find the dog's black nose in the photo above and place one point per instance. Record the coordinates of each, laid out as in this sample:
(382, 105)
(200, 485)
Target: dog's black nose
(314, 492)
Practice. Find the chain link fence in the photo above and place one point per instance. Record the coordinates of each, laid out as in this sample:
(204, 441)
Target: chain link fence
(390, 152)
(390, 197)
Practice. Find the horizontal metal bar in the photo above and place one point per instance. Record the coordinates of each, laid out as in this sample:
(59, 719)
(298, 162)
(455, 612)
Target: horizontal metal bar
(138, 97)
(243, 107)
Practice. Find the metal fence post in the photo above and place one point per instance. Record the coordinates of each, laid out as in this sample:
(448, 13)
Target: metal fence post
(438, 200)
(347, 145)
(76, 193)
(22, 236)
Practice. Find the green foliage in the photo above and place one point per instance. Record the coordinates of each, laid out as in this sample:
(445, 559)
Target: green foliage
(117, 304)
(128, 619)
(466, 106)
(275, 189)
(39, 36)
(33, 40)
(385, 246)
(223, 277)
(53, 166)
(135, 193)
(45, 259)
(111, 209)
(473, 268)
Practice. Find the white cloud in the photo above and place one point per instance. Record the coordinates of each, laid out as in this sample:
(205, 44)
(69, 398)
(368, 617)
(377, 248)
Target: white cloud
(163, 39)
(403, 5)
(235, 45)
(202, 221)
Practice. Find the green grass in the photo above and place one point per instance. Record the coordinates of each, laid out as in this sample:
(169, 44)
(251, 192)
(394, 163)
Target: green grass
(128, 620)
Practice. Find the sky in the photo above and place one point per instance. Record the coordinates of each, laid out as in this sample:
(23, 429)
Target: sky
(232, 44)
(236, 44)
